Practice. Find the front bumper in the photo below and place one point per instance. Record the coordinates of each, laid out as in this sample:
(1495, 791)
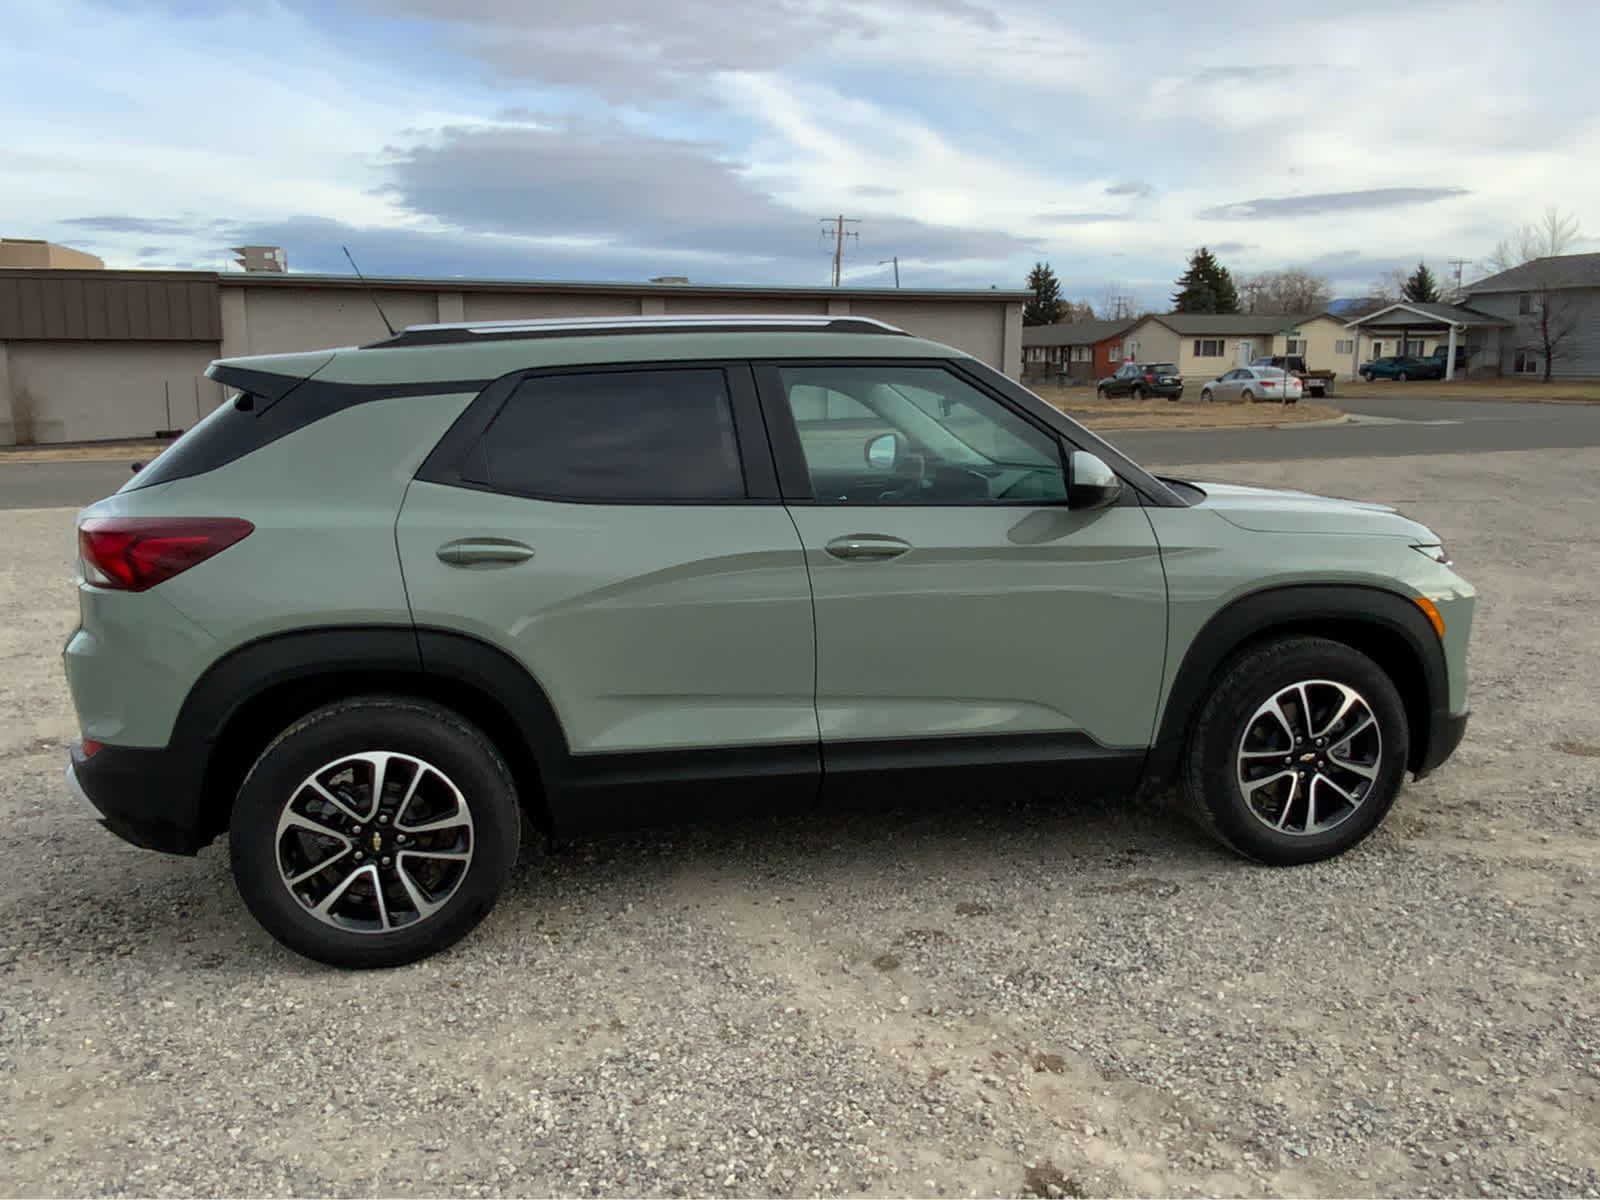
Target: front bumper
(1445, 732)
(150, 798)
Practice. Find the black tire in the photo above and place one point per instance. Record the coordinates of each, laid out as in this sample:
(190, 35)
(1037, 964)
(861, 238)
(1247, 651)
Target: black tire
(462, 774)
(1102, 393)
(1366, 377)
(1231, 714)
(1137, 393)
(1205, 395)
(1400, 377)
(1247, 396)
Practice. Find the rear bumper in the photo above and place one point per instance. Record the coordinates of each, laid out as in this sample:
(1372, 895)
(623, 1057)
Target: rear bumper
(1445, 733)
(150, 798)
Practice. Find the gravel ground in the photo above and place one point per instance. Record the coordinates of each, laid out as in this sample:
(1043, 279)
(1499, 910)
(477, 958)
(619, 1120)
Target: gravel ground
(1042, 999)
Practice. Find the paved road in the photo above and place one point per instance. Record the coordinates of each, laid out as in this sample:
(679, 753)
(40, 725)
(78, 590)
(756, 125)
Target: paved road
(1384, 426)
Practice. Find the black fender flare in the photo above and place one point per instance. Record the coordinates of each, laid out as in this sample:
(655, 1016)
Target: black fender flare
(1382, 624)
(237, 706)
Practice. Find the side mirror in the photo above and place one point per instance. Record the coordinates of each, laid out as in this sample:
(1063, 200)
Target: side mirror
(883, 452)
(137, 467)
(1090, 483)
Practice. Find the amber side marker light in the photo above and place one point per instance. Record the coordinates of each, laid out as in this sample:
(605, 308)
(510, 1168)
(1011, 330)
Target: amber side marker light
(1432, 613)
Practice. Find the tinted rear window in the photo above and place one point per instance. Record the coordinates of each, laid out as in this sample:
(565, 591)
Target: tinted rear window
(636, 436)
(1164, 368)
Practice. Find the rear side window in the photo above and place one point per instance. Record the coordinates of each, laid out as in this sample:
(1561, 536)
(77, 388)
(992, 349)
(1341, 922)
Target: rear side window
(629, 436)
(1164, 368)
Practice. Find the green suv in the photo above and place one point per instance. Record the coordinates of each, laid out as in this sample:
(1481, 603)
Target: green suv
(388, 601)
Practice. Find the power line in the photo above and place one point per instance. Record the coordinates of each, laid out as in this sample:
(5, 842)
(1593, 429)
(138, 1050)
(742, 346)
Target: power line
(1458, 263)
(839, 235)
(896, 261)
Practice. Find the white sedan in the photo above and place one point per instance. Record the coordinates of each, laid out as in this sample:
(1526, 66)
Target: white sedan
(1254, 383)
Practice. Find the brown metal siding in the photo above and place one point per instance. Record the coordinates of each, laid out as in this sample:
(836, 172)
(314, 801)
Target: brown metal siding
(161, 306)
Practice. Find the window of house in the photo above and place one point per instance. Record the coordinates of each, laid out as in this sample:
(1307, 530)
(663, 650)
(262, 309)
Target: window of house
(1414, 347)
(1524, 304)
(1294, 346)
(640, 436)
(957, 444)
(1209, 348)
(1344, 346)
(1082, 353)
(1528, 362)
(1130, 348)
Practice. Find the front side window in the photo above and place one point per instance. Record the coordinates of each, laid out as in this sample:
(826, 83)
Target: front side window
(610, 436)
(916, 435)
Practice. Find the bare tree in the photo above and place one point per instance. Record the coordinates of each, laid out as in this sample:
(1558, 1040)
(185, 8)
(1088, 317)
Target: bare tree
(1290, 291)
(1555, 319)
(1550, 236)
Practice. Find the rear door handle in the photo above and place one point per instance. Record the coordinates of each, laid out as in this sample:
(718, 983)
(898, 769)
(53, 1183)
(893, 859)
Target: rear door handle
(866, 547)
(484, 552)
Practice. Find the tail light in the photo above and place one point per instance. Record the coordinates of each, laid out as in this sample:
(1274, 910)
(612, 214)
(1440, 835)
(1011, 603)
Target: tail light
(1149, 378)
(133, 554)
(1267, 383)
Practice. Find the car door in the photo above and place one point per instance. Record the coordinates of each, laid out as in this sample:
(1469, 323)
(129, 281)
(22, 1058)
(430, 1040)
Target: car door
(966, 616)
(618, 533)
(1227, 388)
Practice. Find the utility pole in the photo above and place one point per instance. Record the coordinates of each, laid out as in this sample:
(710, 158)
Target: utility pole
(839, 235)
(1458, 263)
(896, 261)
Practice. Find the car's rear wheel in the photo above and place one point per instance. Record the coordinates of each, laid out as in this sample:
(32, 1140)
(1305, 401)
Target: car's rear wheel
(374, 832)
(1298, 752)
(1247, 396)
(1102, 392)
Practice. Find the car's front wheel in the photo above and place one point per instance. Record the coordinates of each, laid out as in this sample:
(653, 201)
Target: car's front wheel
(1205, 395)
(1366, 377)
(374, 832)
(1298, 752)
(1138, 393)
(1400, 376)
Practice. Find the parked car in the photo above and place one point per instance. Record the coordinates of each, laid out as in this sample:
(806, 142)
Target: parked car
(1249, 384)
(387, 602)
(1402, 367)
(1139, 380)
(1312, 383)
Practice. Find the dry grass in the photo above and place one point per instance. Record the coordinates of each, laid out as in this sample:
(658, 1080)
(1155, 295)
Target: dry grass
(85, 452)
(1525, 391)
(1110, 415)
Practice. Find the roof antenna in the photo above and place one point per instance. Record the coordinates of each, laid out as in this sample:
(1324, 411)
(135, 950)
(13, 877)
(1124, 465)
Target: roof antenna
(370, 292)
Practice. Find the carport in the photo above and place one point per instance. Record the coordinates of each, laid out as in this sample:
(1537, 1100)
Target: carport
(1449, 323)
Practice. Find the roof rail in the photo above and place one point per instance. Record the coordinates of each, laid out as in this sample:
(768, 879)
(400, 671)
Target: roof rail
(483, 331)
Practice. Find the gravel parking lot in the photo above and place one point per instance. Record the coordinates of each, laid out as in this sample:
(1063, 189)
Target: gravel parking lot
(1041, 999)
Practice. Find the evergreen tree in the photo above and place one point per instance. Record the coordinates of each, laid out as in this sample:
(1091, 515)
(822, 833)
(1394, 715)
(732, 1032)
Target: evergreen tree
(1206, 287)
(1047, 307)
(1420, 286)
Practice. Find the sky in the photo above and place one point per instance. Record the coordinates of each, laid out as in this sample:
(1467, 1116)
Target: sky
(626, 139)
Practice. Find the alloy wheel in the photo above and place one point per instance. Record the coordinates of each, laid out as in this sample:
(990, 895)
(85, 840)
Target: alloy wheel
(375, 841)
(1309, 757)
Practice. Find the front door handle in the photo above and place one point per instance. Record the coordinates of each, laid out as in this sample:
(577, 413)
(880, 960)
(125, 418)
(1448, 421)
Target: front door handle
(483, 552)
(866, 547)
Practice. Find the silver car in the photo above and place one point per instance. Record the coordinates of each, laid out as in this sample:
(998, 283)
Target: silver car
(1248, 384)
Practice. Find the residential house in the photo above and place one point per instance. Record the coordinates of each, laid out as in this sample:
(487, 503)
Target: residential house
(1204, 345)
(1571, 284)
(1072, 352)
(1418, 329)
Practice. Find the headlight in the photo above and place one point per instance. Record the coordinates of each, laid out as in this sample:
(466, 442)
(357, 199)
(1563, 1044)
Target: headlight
(1434, 551)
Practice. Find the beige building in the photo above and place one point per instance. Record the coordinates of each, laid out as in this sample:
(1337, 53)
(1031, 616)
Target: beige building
(36, 254)
(122, 354)
(1205, 345)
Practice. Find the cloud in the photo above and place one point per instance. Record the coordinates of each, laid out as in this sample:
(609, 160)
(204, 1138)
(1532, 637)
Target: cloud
(874, 191)
(1133, 187)
(600, 182)
(646, 50)
(1232, 247)
(128, 224)
(1330, 202)
(1083, 218)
